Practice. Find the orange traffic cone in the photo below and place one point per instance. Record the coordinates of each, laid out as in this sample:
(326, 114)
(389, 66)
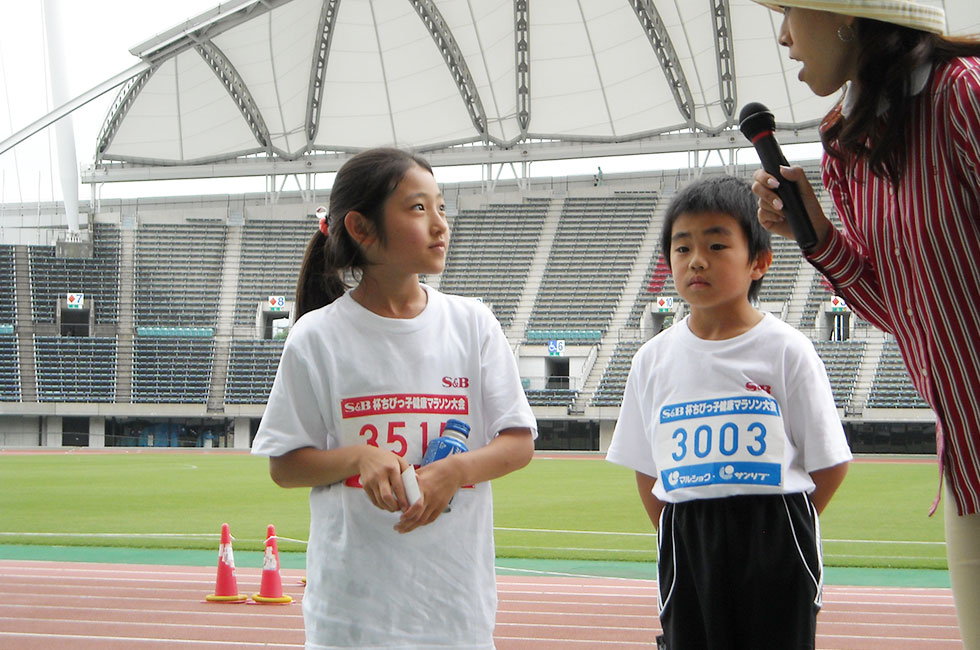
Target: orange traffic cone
(226, 587)
(270, 591)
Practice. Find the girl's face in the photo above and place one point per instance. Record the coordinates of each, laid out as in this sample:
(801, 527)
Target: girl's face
(417, 234)
(812, 38)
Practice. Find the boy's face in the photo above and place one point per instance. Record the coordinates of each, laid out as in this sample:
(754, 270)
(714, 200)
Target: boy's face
(709, 259)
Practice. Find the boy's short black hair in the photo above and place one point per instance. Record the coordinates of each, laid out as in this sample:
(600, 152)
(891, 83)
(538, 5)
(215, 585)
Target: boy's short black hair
(725, 194)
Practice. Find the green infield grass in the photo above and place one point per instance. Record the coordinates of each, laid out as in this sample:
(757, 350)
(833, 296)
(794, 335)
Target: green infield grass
(556, 508)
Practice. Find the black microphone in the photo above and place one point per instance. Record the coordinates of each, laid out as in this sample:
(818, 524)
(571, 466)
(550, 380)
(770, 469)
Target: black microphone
(757, 124)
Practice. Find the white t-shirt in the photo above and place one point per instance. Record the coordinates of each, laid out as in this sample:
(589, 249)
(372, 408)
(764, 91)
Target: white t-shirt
(349, 377)
(752, 414)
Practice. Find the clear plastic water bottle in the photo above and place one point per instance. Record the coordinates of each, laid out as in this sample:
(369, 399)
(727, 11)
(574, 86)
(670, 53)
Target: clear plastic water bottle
(452, 441)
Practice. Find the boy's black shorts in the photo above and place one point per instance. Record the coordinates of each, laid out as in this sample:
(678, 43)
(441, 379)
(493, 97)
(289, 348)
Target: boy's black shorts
(740, 572)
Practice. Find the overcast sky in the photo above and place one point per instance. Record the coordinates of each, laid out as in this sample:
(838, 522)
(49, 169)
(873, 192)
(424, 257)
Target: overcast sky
(97, 37)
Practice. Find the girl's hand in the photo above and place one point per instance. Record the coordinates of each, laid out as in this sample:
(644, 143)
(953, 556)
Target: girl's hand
(771, 214)
(381, 476)
(438, 482)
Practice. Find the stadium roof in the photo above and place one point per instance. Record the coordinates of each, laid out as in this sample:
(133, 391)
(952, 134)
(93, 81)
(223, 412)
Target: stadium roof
(283, 86)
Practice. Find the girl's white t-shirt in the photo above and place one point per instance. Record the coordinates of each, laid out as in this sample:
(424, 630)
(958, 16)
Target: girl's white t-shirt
(350, 377)
(752, 414)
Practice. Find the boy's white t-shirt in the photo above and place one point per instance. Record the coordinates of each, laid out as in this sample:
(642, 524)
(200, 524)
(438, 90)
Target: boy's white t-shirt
(752, 414)
(347, 377)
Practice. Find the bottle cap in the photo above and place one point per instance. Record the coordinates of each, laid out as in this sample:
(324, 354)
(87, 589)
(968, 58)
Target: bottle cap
(458, 425)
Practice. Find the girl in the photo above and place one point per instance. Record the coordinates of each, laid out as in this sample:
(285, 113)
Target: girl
(367, 377)
(902, 155)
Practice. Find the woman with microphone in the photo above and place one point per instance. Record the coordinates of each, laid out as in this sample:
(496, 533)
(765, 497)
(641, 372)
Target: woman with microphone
(901, 164)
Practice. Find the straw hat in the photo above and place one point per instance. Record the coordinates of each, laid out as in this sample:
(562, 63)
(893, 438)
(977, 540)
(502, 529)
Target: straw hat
(924, 15)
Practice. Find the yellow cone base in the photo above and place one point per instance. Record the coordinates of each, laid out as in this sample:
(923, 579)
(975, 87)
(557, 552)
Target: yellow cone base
(269, 601)
(240, 598)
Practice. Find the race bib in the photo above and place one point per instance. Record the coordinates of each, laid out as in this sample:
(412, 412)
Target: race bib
(723, 441)
(401, 423)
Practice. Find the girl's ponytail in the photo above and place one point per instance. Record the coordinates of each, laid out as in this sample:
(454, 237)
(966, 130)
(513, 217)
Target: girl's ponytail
(320, 281)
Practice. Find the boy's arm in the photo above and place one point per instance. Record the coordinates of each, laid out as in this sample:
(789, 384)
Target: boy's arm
(653, 505)
(827, 481)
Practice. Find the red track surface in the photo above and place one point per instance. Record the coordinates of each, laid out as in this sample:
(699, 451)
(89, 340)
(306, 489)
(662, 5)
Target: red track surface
(108, 606)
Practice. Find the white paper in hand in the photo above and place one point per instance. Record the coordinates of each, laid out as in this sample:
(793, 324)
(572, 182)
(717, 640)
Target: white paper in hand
(412, 491)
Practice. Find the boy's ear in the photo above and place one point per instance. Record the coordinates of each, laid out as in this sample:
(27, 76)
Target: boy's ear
(763, 260)
(359, 228)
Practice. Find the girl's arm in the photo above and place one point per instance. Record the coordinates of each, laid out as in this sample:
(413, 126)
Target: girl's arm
(653, 505)
(827, 481)
(512, 449)
(380, 471)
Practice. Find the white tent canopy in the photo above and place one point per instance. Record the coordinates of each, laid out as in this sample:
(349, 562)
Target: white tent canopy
(287, 86)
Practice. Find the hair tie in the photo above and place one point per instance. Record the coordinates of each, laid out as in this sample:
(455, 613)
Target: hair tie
(323, 227)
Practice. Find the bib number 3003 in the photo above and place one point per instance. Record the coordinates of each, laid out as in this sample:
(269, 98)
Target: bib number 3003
(703, 440)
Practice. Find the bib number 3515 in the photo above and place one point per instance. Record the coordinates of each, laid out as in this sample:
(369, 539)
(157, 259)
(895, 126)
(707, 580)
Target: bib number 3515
(395, 438)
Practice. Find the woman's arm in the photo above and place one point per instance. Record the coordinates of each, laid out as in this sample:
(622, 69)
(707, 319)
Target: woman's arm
(511, 450)
(380, 471)
(837, 256)
(771, 214)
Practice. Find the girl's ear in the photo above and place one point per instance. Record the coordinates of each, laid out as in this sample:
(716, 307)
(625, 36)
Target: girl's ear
(761, 264)
(359, 228)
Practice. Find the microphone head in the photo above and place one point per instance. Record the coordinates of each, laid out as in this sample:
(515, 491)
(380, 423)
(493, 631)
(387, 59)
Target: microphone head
(755, 118)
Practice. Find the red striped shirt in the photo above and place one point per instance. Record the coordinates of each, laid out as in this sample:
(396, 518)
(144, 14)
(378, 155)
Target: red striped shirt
(908, 261)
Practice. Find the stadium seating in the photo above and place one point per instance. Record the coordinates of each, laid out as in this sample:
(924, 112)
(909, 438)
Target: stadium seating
(272, 252)
(820, 292)
(73, 369)
(610, 390)
(169, 369)
(491, 253)
(843, 362)
(780, 280)
(551, 396)
(8, 288)
(9, 369)
(98, 278)
(178, 273)
(251, 370)
(595, 247)
(199, 332)
(657, 281)
(892, 387)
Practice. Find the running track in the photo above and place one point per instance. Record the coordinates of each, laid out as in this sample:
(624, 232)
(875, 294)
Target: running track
(115, 606)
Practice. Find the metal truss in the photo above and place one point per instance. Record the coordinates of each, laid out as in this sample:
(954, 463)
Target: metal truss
(123, 102)
(725, 55)
(522, 45)
(653, 25)
(325, 32)
(434, 22)
(236, 87)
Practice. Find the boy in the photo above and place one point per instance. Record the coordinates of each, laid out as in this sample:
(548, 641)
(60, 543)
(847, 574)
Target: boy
(729, 422)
